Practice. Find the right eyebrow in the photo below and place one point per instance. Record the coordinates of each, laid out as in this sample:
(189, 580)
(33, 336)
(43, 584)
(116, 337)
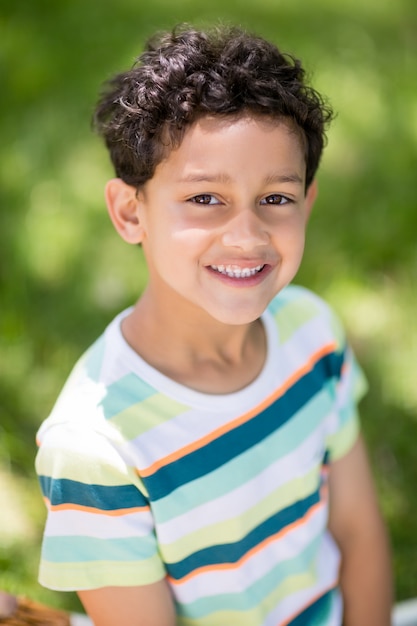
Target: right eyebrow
(202, 177)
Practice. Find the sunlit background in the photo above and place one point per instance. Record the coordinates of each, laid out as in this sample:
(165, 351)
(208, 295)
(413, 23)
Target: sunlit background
(64, 273)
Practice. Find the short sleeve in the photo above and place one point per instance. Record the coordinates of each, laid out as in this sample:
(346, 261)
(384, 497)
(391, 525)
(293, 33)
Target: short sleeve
(99, 529)
(350, 386)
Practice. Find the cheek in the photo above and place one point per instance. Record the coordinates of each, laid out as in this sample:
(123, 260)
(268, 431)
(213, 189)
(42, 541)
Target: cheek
(291, 234)
(175, 251)
(191, 241)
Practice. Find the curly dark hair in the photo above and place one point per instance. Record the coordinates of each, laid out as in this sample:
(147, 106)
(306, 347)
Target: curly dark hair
(187, 73)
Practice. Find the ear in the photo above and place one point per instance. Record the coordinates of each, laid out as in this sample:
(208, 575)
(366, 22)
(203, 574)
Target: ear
(310, 198)
(122, 205)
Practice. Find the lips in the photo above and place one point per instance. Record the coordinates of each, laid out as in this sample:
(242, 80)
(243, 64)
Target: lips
(234, 271)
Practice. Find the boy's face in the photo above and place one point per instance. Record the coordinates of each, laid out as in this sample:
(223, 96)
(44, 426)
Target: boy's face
(222, 221)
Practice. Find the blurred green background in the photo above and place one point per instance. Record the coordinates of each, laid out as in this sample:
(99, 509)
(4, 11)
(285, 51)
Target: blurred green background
(64, 273)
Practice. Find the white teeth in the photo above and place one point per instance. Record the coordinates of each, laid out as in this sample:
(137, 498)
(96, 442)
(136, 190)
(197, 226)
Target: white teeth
(237, 272)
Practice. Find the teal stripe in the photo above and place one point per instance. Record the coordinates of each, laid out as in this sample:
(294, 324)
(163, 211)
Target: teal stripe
(93, 359)
(317, 613)
(124, 393)
(244, 467)
(73, 549)
(304, 298)
(256, 593)
(101, 497)
(232, 552)
(221, 450)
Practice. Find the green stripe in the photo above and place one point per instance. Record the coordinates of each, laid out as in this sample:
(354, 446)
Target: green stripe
(231, 530)
(294, 315)
(252, 617)
(342, 441)
(145, 415)
(241, 469)
(70, 576)
(89, 467)
(265, 591)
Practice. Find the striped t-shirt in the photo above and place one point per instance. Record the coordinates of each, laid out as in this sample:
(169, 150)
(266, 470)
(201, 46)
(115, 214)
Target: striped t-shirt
(224, 495)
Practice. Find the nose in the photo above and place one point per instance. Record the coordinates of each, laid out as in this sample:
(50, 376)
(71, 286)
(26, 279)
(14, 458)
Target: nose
(245, 230)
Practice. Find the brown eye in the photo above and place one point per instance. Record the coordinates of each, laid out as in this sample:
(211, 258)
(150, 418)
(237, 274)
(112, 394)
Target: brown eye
(205, 198)
(275, 198)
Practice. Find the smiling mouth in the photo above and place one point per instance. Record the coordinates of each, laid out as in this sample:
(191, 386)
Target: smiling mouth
(237, 272)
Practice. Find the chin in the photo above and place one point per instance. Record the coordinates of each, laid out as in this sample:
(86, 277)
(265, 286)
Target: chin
(239, 317)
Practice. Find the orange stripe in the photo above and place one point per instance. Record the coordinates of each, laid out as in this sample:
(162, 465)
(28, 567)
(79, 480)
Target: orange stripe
(279, 535)
(90, 509)
(345, 367)
(310, 602)
(203, 441)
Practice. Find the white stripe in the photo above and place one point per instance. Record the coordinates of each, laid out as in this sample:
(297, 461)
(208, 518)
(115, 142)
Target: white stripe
(187, 428)
(223, 581)
(345, 392)
(327, 575)
(95, 525)
(235, 503)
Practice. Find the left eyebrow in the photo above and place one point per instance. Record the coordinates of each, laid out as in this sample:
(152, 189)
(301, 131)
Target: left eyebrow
(276, 177)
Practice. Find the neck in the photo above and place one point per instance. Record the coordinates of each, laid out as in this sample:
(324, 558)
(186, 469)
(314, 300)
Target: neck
(195, 350)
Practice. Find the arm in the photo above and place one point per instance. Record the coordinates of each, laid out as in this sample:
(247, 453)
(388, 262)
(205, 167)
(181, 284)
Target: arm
(150, 605)
(357, 527)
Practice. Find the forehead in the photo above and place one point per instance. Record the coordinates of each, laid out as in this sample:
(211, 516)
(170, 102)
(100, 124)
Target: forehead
(215, 123)
(245, 139)
(267, 122)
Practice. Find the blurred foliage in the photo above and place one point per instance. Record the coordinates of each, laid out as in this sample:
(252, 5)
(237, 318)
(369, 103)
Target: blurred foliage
(64, 273)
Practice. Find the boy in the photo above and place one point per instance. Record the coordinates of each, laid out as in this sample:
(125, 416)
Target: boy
(203, 465)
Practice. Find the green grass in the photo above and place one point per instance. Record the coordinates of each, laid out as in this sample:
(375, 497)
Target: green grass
(64, 273)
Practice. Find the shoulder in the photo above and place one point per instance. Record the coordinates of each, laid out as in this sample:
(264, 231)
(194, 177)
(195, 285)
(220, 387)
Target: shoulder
(299, 312)
(78, 403)
(77, 430)
(95, 386)
(296, 297)
(94, 418)
(80, 453)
